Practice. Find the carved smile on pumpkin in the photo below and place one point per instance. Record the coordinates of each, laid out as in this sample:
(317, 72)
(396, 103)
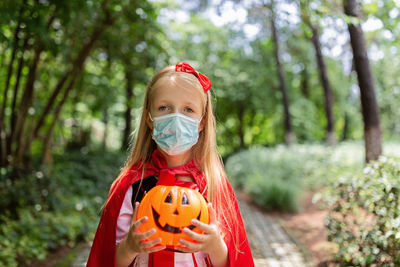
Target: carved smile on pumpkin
(169, 228)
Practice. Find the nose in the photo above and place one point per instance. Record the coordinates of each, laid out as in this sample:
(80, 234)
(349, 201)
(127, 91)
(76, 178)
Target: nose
(176, 212)
(175, 109)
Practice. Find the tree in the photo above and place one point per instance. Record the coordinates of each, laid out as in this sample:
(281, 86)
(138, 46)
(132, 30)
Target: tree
(289, 134)
(308, 19)
(370, 109)
(47, 32)
(134, 44)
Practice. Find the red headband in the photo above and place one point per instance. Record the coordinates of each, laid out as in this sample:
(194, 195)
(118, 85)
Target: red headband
(185, 67)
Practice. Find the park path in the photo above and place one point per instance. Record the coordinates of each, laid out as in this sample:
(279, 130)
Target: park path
(270, 245)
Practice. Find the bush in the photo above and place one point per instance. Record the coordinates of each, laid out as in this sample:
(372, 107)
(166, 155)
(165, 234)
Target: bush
(42, 213)
(365, 216)
(265, 174)
(276, 177)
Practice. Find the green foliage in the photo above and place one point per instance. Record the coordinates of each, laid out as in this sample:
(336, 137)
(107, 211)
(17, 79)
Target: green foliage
(242, 69)
(152, 34)
(56, 210)
(364, 219)
(306, 120)
(276, 177)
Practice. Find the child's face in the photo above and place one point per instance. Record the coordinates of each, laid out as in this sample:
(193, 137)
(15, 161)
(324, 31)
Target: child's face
(176, 96)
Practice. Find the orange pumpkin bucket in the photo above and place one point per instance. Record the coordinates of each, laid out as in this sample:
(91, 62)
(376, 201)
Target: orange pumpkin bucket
(170, 209)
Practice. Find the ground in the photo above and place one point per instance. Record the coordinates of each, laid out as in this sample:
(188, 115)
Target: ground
(308, 230)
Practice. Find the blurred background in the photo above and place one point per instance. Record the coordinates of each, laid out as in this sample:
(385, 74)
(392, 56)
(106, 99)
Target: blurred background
(306, 93)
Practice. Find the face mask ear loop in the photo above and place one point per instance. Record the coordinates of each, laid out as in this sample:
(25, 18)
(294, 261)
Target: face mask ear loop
(201, 118)
(152, 121)
(150, 116)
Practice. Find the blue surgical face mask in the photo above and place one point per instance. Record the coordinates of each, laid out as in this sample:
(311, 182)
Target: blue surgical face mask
(175, 133)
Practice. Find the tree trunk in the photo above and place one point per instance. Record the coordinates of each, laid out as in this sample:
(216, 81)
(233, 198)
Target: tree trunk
(47, 140)
(370, 109)
(80, 60)
(2, 58)
(328, 96)
(129, 106)
(289, 135)
(345, 133)
(50, 104)
(77, 69)
(26, 103)
(304, 85)
(13, 116)
(3, 133)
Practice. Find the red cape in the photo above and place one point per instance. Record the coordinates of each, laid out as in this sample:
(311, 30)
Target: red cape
(104, 244)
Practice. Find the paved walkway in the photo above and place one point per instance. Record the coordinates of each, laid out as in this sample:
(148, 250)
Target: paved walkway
(270, 245)
(83, 256)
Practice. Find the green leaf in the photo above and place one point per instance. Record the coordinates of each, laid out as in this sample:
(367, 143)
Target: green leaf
(370, 8)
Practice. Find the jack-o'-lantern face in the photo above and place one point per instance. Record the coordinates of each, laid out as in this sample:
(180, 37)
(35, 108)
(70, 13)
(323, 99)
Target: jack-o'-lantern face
(170, 209)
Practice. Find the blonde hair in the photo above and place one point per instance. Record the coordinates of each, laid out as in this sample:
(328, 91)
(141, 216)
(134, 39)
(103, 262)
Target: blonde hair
(205, 153)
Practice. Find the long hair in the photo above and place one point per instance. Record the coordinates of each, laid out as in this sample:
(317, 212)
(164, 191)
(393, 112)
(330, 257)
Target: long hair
(204, 152)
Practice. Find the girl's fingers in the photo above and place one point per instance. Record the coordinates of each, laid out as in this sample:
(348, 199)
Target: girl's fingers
(190, 245)
(213, 215)
(205, 227)
(194, 235)
(184, 249)
(134, 215)
(139, 222)
(146, 234)
(155, 249)
(150, 243)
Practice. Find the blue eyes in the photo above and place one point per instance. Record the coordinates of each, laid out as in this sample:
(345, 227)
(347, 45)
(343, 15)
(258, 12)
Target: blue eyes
(186, 109)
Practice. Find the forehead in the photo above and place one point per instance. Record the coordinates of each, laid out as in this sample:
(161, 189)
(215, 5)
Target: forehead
(178, 89)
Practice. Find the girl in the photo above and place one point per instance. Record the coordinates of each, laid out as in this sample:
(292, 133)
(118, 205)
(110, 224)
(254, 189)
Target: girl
(176, 137)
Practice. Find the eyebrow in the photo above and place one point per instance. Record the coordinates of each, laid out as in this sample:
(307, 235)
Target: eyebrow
(191, 104)
(185, 103)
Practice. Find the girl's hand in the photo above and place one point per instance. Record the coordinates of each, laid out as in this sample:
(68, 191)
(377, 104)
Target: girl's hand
(210, 242)
(135, 240)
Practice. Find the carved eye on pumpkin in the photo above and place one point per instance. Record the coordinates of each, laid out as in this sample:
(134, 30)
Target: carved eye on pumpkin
(185, 200)
(168, 199)
(170, 209)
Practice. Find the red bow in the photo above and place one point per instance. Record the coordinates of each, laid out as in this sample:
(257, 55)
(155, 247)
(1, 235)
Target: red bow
(204, 81)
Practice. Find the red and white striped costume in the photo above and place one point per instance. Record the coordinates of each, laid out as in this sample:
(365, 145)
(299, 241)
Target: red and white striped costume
(104, 244)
